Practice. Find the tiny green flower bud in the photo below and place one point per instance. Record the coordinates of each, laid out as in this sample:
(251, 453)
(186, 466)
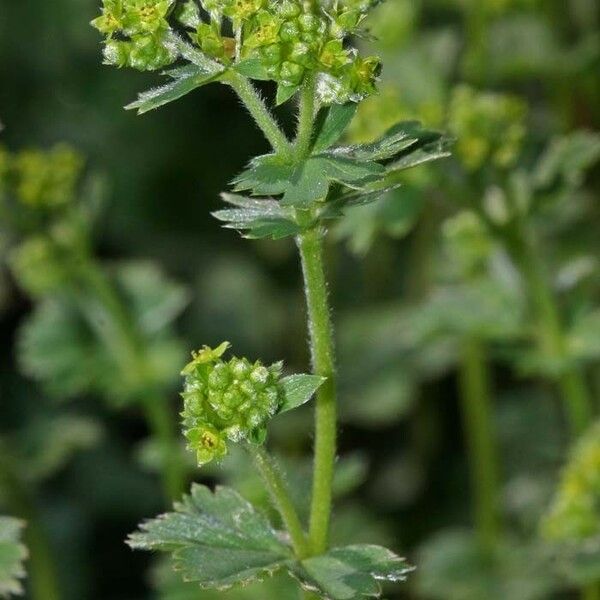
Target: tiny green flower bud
(291, 73)
(288, 9)
(289, 31)
(240, 11)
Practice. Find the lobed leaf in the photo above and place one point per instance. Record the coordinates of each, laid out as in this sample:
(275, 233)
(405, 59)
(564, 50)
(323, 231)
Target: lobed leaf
(219, 540)
(331, 124)
(352, 572)
(216, 539)
(299, 389)
(186, 80)
(12, 555)
(261, 218)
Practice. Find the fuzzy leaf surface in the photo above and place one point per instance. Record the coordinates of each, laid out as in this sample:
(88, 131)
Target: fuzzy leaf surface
(259, 218)
(216, 539)
(188, 81)
(353, 572)
(312, 179)
(331, 124)
(12, 556)
(299, 389)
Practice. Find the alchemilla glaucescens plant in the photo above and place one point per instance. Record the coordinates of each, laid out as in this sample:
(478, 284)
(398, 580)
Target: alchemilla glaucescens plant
(216, 538)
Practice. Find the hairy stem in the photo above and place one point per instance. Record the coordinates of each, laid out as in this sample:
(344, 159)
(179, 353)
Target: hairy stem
(477, 420)
(306, 117)
(570, 380)
(271, 475)
(261, 114)
(123, 340)
(310, 245)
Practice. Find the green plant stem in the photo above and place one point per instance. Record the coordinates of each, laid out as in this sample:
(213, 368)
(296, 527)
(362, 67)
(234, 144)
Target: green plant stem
(306, 117)
(271, 475)
(477, 419)
(261, 114)
(41, 566)
(163, 428)
(570, 380)
(130, 349)
(311, 245)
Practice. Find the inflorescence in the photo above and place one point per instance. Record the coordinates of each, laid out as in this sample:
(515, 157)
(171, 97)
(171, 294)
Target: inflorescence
(279, 40)
(227, 401)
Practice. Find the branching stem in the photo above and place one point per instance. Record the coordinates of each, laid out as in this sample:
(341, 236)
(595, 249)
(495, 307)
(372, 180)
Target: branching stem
(271, 475)
(477, 419)
(570, 380)
(261, 114)
(124, 341)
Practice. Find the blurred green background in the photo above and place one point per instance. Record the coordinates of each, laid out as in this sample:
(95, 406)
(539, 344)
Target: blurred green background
(406, 473)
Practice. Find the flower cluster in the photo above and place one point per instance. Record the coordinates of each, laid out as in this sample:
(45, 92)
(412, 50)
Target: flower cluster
(575, 513)
(278, 40)
(488, 127)
(41, 179)
(224, 401)
(137, 33)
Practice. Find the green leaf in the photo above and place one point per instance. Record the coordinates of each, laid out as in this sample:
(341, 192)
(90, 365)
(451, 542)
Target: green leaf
(216, 539)
(183, 85)
(260, 218)
(155, 300)
(568, 158)
(414, 156)
(312, 179)
(331, 124)
(454, 566)
(219, 540)
(75, 347)
(284, 93)
(299, 389)
(252, 68)
(48, 443)
(12, 555)
(266, 175)
(353, 572)
(56, 347)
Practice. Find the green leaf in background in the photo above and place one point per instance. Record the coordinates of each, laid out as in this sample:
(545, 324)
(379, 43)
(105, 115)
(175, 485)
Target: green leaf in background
(154, 299)
(299, 389)
(453, 566)
(353, 572)
(185, 81)
(567, 158)
(47, 444)
(77, 348)
(579, 562)
(12, 555)
(216, 539)
(331, 124)
(583, 339)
